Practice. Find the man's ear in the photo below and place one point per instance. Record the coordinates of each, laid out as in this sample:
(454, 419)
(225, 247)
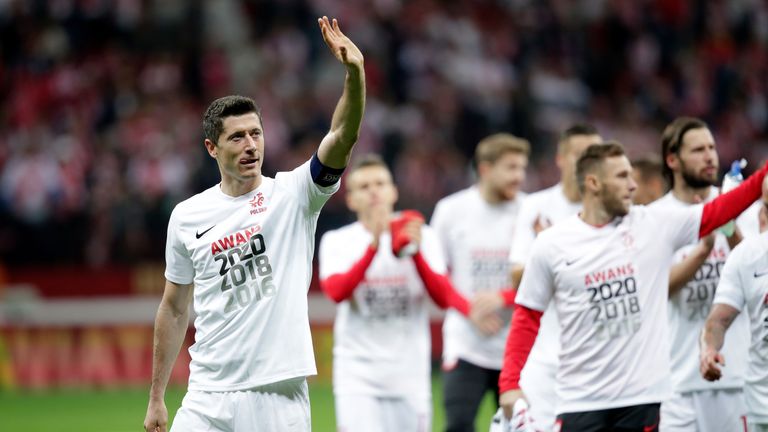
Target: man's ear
(591, 183)
(210, 146)
(672, 161)
(483, 168)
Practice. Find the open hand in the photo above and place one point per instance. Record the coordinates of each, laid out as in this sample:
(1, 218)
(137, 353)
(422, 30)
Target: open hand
(341, 46)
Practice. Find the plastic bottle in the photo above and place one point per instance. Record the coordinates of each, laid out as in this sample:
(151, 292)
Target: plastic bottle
(731, 180)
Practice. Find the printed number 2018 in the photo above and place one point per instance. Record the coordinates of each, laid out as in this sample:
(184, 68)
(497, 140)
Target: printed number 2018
(251, 261)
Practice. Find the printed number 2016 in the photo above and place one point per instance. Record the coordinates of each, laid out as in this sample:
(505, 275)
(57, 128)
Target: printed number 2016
(242, 295)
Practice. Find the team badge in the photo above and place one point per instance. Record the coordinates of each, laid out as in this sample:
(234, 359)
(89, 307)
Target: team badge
(257, 204)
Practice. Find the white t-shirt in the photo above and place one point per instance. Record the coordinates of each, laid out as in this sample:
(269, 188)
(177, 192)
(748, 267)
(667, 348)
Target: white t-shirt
(381, 333)
(550, 206)
(609, 286)
(744, 285)
(688, 311)
(749, 220)
(475, 237)
(250, 259)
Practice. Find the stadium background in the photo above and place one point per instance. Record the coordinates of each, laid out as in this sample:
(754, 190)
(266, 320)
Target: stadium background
(100, 106)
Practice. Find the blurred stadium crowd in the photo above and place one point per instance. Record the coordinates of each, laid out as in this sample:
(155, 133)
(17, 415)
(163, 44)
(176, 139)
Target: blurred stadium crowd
(100, 130)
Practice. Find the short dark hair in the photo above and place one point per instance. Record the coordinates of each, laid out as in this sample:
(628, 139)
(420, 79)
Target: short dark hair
(575, 129)
(672, 140)
(367, 160)
(493, 147)
(233, 105)
(648, 166)
(593, 157)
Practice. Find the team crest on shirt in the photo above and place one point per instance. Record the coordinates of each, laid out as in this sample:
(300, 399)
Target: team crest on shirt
(628, 240)
(257, 204)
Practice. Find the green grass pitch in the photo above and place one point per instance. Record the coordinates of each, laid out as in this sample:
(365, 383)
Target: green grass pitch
(123, 410)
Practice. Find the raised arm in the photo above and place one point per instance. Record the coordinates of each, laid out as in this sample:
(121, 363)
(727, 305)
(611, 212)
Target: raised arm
(336, 147)
(171, 325)
(712, 339)
(729, 205)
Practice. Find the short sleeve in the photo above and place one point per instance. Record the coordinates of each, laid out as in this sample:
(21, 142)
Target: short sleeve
(441, 225)
(431, 250)
(330, 262)
(681, 224)
(178, 263)
(524, 234)
(730, 289)
(537, 286)
(299, 182)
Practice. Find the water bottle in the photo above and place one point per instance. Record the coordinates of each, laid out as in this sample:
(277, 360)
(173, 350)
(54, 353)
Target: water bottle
(732, 179)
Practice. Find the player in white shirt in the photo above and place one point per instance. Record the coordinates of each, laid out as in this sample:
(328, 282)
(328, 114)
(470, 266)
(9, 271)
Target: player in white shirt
(743, 287)
(651, 185)
(475, 228)
(241, 253)
(691, 166)
(381, 353)
(607, 271)
(539, 211)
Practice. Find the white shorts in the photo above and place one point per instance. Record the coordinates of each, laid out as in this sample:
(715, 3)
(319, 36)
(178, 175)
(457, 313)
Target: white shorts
(364, 413)
(704, 411)
(282, 406)
(537, 381)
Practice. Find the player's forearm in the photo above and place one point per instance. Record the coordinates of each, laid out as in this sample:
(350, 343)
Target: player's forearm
(340, 286)
(713, 334)
(439, 287)
(729, 205)
(346, 121)
(516, 275)
(170, 330)
(522, 335)
(681, 273)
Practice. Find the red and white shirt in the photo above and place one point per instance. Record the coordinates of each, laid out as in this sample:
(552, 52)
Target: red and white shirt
(609, 285)
(250, 259)
(744, 286)
(381, 333)
(475, 237)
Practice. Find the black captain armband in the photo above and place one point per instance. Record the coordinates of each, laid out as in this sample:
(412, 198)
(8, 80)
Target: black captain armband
(323, 175)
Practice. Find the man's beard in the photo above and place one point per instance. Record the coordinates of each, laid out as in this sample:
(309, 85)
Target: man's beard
(695, 181)
(613, 204)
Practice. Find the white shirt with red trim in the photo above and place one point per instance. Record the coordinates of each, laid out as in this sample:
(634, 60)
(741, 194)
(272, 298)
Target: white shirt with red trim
(688, 311)
(381, 334)
(549, 206)
(475, 237)
(744, 286)
(609, 286)
(250, 259)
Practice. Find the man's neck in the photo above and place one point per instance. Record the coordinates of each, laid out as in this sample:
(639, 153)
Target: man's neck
(594, 213)
(690, 195)
(236, 188)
